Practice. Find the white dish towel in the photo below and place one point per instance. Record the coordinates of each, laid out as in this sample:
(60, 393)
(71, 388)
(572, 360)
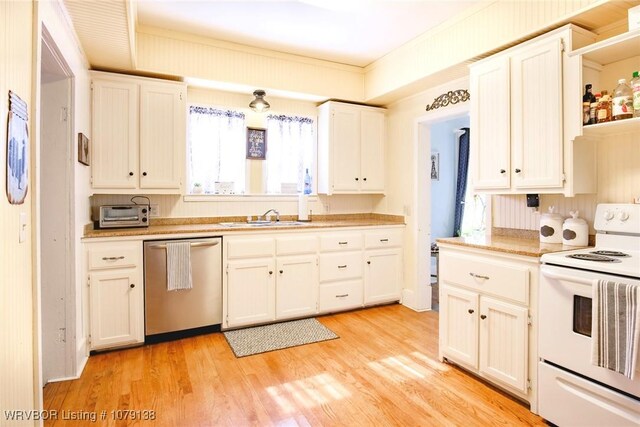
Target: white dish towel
(178, 266)
(615, 329)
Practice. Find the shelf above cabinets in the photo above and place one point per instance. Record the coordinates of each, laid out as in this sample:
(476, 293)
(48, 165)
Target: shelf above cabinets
(614, 49)
(612, 128)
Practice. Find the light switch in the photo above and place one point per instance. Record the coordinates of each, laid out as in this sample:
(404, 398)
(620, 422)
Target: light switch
(23, 227)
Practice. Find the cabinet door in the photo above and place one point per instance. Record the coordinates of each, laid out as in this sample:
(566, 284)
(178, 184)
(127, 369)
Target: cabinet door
(536, 121)
(162, 136)
(345, 146)
(116, 308)
(459, 325)
(382, 276)
(490, 125)
(114, 162)
(297, 286)
(372, 139)
(250, 292)
(503, 342)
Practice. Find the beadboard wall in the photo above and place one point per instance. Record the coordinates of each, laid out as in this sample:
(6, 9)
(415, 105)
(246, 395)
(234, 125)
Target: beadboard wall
(161, 51)
(618, 182)
(473, 34)
(17, 355)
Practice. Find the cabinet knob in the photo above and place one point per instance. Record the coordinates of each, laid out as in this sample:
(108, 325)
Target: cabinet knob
(271, 272)
(471, 311)
(357, 179)
(518, 170)
(144, 174)
(483, 316)
(502, 171)
(132, 286)
(130, 173)
(281, 271)
(364, 179)
(368, 262)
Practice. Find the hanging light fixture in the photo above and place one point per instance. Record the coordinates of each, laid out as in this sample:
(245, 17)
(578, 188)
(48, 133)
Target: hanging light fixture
(259, 104)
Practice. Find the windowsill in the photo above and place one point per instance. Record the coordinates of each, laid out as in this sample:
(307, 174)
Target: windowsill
(245, 197)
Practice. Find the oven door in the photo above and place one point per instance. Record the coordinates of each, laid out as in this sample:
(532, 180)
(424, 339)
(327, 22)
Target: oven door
(565, 324)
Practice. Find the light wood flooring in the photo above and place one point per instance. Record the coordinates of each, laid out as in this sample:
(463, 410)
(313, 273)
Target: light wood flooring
(383, 370)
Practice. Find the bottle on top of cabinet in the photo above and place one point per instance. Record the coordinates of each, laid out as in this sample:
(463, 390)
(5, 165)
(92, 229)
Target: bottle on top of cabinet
(622, 106)
(635, 88)
(587, 99)
(603, 110)
(551, 227)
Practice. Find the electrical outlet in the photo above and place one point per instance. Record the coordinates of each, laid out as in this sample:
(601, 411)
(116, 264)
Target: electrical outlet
(154, 210)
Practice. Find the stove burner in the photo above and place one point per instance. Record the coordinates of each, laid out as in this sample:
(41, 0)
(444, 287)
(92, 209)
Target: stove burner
(592, 257)
(610, 253)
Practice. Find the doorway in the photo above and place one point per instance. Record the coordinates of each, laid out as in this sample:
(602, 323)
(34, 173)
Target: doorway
(55, 215)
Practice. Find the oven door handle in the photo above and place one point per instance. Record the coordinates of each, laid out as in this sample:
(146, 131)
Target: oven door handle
(557, 276)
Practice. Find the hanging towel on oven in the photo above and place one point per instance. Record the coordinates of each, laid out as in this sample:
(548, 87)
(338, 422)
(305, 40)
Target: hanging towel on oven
(615, 328)
(178, 266)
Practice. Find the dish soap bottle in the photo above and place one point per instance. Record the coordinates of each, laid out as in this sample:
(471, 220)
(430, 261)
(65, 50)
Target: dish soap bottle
(635, 87)
(622, 107)
(307, 182)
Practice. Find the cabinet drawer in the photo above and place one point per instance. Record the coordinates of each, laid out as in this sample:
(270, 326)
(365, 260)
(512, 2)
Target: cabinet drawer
(340, 242)
(250, 248)
(340, 296)
(340, 266)
(297, 245)
(486, 276)
(115, 255)
(383, 239)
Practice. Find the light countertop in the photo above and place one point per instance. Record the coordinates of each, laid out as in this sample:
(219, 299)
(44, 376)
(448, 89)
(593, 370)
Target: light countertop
(512, 245)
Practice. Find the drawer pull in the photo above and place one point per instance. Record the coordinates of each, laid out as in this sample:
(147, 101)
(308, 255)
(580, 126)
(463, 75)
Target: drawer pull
(384, 240)
(112, 258)
(477, 276)
(342, 266)
(343, 243)
(342, 296)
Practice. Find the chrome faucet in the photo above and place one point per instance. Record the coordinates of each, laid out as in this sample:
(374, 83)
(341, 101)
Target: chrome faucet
(264, 215)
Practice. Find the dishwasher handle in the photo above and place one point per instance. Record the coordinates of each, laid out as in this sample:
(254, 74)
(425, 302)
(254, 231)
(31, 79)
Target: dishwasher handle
(193, 245)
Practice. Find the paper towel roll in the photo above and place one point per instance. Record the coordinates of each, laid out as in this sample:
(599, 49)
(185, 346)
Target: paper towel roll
(303, 207)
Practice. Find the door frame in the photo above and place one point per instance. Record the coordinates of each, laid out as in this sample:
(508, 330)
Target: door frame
(46, 41)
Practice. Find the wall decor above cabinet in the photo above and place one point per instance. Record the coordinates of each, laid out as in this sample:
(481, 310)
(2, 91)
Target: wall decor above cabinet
(139, 134)
(524, 118)
(351, 149)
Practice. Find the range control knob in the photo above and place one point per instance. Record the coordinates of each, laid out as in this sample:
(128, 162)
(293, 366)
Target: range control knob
(623, 216)
(608, 215)
(144, 210)
(144, 219)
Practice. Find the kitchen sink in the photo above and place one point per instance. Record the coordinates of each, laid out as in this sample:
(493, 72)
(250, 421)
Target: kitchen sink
(258, 224)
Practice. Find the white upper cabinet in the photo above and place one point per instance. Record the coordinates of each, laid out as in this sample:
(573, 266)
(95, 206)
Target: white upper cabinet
(351, 142)
(518, 140)
(139, 134)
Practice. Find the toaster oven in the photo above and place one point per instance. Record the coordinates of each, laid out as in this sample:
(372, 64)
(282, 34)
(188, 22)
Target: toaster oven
(121, 216)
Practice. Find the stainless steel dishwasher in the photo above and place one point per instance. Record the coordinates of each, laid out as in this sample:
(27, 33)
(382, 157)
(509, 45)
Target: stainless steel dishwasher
(173, 314)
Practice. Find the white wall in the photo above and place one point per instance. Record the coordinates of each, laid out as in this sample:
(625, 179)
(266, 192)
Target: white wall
(18, 361)
(53, 16)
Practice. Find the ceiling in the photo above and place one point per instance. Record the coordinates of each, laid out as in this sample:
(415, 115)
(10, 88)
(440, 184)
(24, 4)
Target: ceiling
(354, 32)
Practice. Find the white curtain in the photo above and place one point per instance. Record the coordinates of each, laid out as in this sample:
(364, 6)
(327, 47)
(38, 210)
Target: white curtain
(290, 143)
(216, 148)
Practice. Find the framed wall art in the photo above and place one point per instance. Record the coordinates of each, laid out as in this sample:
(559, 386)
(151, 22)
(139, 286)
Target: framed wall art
(17, 150)
(83, 149)
(435, 166)
(256, 143)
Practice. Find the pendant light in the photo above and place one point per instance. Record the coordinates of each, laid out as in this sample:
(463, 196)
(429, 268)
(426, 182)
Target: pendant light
(259, 104)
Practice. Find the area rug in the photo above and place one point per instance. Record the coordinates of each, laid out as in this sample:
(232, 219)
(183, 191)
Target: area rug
(261, 339)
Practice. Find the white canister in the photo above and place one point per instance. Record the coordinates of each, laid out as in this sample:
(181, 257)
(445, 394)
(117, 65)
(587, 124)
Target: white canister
(575, 231)
(551, 227)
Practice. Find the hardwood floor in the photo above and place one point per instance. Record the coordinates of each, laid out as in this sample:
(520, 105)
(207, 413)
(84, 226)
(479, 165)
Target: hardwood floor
(382, 371)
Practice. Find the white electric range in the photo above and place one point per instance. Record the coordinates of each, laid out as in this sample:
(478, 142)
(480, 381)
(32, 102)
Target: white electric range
(572, 391)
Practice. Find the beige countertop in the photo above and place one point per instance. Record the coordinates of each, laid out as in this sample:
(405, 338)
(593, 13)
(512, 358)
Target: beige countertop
(511, 245)
(212, 225)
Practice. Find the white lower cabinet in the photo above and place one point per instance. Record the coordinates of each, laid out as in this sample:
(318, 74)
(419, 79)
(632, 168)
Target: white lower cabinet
(487, 312)
(116, 294)
(250, 291)
(382, 275)
(296, 290)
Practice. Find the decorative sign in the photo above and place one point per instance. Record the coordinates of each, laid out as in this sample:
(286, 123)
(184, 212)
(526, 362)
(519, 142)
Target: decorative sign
(451, 97)
(83, 149)
(256, 143)
(435, 166)
(17, 150)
